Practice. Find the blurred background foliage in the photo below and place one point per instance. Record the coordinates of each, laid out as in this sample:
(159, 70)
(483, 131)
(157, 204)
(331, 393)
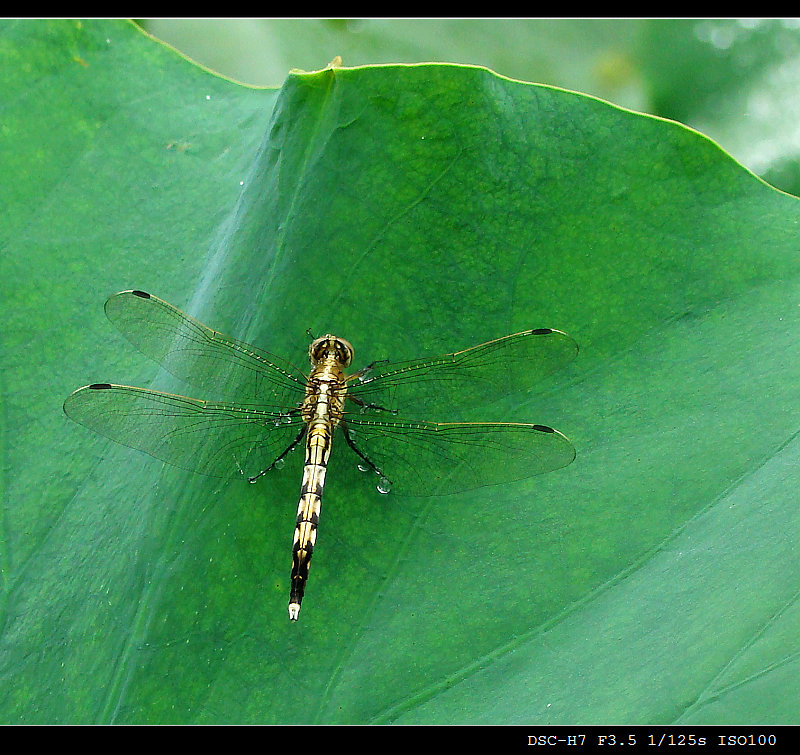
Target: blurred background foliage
(735, 80)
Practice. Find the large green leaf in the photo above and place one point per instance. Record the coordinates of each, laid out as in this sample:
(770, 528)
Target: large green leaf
(412, 210)
(733, 79)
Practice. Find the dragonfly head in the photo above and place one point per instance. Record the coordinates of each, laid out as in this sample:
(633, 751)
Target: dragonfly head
(331, 347)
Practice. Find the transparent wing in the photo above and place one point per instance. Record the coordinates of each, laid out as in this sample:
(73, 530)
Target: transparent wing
(220, 366)
(421, 458)
(214, 438)
(452, 385)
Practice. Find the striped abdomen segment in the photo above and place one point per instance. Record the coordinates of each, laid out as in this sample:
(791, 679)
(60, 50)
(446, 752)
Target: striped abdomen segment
(318, 450)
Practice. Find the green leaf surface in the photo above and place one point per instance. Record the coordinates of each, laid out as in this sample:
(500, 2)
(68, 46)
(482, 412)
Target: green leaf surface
(413, 210)
(734, 79)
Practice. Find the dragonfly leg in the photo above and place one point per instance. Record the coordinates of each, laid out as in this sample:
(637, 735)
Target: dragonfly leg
(359, 452)
(288, 450)
(365, 405)
(365, 370)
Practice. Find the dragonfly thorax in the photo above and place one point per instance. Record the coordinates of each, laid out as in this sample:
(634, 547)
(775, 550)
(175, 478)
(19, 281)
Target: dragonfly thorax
(330, 347)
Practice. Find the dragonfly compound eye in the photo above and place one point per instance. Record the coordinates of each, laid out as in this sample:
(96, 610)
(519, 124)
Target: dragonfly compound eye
(344, 352)
(331, 346)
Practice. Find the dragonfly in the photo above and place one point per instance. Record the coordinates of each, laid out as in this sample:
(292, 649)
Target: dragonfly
(382, 411)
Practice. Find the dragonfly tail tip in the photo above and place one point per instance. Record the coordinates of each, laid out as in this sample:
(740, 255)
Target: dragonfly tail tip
(294, 610)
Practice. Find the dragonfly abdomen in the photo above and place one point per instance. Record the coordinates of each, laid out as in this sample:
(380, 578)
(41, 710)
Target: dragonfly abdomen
(318, 449)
